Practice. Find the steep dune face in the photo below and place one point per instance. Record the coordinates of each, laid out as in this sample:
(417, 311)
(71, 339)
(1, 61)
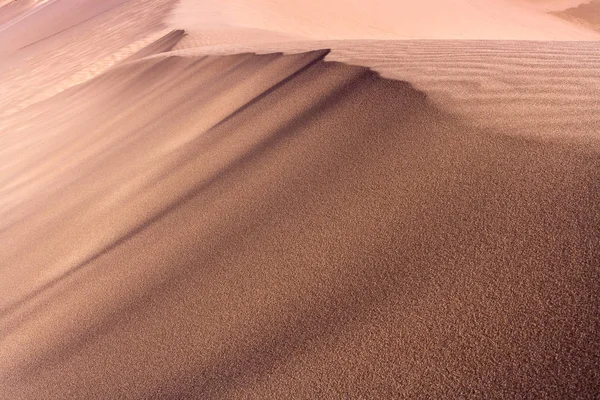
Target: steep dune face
(263, 226)
(381, 19)
(545, 90)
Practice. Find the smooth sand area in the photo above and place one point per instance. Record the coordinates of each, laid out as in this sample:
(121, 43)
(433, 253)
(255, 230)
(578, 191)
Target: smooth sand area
(386, 19)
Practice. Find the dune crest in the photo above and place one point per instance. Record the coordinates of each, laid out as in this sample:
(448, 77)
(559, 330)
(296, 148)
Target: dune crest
(547, 90)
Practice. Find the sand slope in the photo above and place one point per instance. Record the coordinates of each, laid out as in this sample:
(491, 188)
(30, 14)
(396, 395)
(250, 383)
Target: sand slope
(30, 21)
(205, 224)
(43, 69)
(269, 226)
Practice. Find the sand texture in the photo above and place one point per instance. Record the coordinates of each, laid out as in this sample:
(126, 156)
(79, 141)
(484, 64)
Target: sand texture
(546, 90)
(586, 14)
(250, 212)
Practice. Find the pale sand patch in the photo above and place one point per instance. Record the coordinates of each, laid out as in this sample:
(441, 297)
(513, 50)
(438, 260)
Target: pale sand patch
(382, 19)
(69, 57)
(83, 75)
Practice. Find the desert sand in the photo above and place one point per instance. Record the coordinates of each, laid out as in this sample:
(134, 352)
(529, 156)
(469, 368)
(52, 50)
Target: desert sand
(584, 14)
(212, 200)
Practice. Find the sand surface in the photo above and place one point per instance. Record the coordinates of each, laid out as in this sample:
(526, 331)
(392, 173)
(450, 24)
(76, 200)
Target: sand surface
(181, 217)
(536, 89)
(383, 19)
(586, 14)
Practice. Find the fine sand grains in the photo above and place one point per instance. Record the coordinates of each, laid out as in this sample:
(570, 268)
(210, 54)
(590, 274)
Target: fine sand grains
(183, 218)
(280, 227)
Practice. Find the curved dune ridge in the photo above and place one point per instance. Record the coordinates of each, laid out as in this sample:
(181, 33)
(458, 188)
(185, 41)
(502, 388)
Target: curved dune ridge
(264, 226)
(544, 89)
(548, 88)
(525, 88)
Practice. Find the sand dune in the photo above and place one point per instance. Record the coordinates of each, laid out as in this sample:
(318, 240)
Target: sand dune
(260, 226)
(183, 218)
(548, 89)
(535, 89)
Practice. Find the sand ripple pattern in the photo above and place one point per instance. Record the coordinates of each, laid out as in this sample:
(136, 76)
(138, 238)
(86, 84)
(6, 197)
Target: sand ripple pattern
(542, 89)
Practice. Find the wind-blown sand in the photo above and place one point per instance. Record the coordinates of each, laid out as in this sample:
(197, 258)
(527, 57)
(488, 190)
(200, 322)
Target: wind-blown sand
(524, 88)
(182, 225)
